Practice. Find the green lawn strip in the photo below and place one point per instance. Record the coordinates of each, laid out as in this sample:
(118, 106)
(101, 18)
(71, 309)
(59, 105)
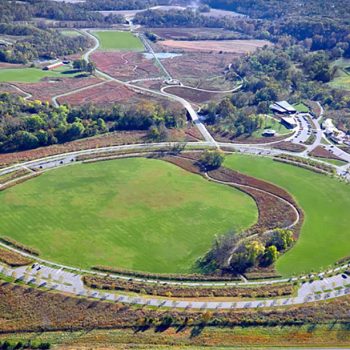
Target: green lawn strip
(32, 75)
(342, 79)
(332, 161)
(118, 41)
(71, 33)
(300, 107)
(271, 123)
(140, 214)
(324, 237)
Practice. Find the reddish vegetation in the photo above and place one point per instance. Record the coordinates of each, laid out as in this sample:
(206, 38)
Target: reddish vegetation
(197, 70)
(7, 88)
(193, 95)
(187, 134)
(46, 89)
(11, 65)
(25, 309)
(239, 47)
(224, 137)
(321, 152)
(126, 65)
(166, 290)
(108, 93)
(289, 146)
(12, 258)
(112, 139)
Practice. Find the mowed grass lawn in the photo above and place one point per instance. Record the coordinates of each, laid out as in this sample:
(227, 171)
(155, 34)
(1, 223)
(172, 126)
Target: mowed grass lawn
(326, 203)
(137, 214)
(271, 123)
(118, 41)
(32, 75)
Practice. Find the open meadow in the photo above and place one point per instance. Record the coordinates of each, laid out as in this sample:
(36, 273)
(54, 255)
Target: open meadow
(324, 237)
(31, 75)
(111, 40)
(133, 213)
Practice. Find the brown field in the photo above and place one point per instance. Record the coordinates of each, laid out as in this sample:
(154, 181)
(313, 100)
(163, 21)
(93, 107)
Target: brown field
(321, 152)
(48, 88)
(8, 88)
(203, 71)
(24, 309)
(230, 46)
(192, 33)
(11, 65)
(194, 96)
(126, 65)
(101, 95)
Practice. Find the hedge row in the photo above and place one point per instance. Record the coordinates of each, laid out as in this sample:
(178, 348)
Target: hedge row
(107, 283)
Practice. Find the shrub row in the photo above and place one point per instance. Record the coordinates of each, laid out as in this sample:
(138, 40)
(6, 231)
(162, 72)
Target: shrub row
(18, 181)
(305, 163)
(33, 310)
(166, 290)
(13, 259)
(13, 175)
(19, 245)
(166, 277)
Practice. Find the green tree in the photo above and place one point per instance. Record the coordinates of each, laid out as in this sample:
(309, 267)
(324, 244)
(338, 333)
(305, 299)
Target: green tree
(270, 255)
(212, 159)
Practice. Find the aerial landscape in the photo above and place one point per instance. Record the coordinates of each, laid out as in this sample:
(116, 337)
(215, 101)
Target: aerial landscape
(174, 174)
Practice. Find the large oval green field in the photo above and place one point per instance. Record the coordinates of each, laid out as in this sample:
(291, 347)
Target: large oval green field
(136, 213)
(325, 235)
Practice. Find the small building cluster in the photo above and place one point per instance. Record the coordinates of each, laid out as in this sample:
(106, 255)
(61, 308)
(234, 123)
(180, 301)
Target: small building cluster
(333, 133)
(54, 65)
(286, 112)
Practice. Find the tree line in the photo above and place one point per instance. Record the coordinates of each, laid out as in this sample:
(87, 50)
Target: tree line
(30, 124)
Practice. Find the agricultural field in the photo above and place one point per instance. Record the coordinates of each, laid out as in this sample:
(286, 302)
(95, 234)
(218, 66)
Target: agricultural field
(326, 204)
(238, 47)
(118, 41)
(29, 75)
(193, 34)
(133, 213)
(342, 76)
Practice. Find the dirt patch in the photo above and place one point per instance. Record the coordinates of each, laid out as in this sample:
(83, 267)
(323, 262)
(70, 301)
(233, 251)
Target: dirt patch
(231, 46)
(289, 146)
(13, 259)
(321, 152)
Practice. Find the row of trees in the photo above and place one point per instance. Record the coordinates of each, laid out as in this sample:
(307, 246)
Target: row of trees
(26, 124)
